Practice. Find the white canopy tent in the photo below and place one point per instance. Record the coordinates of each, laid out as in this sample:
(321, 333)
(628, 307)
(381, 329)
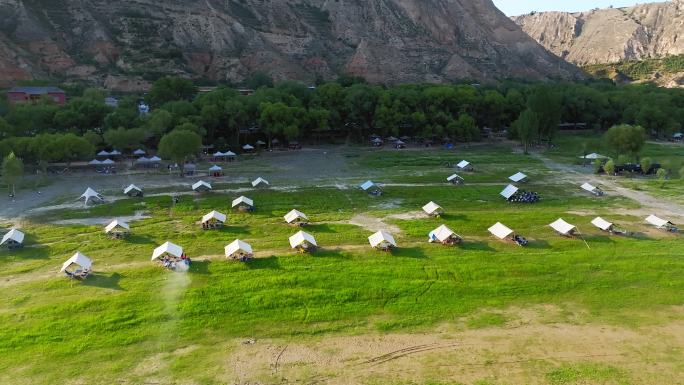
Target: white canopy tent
(80, 260)
(117, 226)
(243, 203)
(142, 160)
(509, 192)
(133, 190)
(91, 195)
(239, 250)
(433, 209)
(214, 216)
(592, 189)
(95, 162)
(444, 235)
(215, 168)
(248, 147)
(139, 152)
(464, 165)
(115, 153)
(518, 178)
(303, 241)
(563, 228)
(368, 185)
(155, 159)
(12, 238)
(103, 153)
(593, 156)
(602, 224)
(659, 222)
(201, 186)
(296, 216)
(108, 162)
(500, 231)
(167, 249)
(455, 179)
(382, 240)
(259, 182)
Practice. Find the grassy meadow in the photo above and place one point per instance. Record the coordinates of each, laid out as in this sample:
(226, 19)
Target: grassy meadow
(100, 329)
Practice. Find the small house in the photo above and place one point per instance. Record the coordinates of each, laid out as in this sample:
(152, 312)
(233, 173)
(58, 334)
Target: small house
(243, 204)
(78, 266)
(297, 218)
(213, 220)
(445, 236)
(382, 241)
(117, 229)
(13, 239)
(433, 209)
(19, 95)
(303, 242)
(239, 250)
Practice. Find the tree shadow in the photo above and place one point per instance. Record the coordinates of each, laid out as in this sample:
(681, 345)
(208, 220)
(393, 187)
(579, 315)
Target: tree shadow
(268, 263)
(104, 281)
(320, 228)
(453, 217)
(476, 246)
(200, 267)
(138, 239)
(26, 252)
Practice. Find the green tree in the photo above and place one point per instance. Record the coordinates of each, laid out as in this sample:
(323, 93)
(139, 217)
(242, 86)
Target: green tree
(125, 139)
(681, 173)
(6, 130)
(546, 104)
(661, 174)
(598, 166)
(609, 167)
(625, 140)
(646, 164)
(178, 145)
(526, 127)
(258, 80)
(12, 171)
(93, 137)
(159, 122)
(466, 128)
(169, 89)
(279, 119)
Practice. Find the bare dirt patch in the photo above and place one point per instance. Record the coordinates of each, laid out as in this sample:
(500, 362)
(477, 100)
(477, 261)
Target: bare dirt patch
(411, 215)
(372, 223)
(139, 215)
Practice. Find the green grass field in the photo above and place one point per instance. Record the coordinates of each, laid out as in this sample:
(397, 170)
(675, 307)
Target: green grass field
(54, 329)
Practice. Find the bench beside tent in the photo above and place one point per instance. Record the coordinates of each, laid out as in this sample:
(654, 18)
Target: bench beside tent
(78, 266)
(239, 250)
(382, 240)
(13, 239)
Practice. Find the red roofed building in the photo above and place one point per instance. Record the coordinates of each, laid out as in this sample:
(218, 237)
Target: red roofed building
(18, 95)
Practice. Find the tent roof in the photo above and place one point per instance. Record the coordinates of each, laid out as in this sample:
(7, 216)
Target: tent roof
(442, 233)
(381, 237)
(463, 164)
(238, 245)
(131, 187)
(593, 155)
(659, 222)
(259, 181)
(155, 159)
(167, 248)
(301, 238)
(115, 152)
(200, 184)
(116, 223)
(248, 147)
(500, 230)
(78, 259)
(518, 177)
(367, 185)
(215, 168)
(454, 176)
(589, 187)
(15, 235)
(243, 199)
(509, 191)
(214, 215)
(602, 223)
(139, 152)
(219, 153)
(90, 193)
(94, 162)
(432, 208)
(562, 226)
(229, 154)
(143, 159)
(108, 161)
(103, 153)
(294, 215)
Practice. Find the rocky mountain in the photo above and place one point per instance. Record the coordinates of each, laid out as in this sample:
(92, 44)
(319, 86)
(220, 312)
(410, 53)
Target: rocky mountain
(610, 35)
(125, 44)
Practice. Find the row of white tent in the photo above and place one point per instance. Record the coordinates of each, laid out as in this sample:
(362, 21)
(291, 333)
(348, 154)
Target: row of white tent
(510, 190)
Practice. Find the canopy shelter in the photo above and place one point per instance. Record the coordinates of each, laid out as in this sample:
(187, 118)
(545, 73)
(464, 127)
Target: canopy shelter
(662, 224)
(139, 152)
(248, 147)
(464, 165)
(133, 191)
(103, 153)
(91, 196)
(455, 179)
(115, 153)
(371, 188)
(502, 232)
(108, 162)
(518, 178)
(433, 209)
(260, 143)
(400, 144)
(13, 239)
(592, 189)
(216, 171)
(201, 186)
(78, 266)
(376, 142)
(296, 217)
(143, 160)
(155, 159)
(602, 224)
(303, 242)
(95, 162)
(239, 250)
(593, 156)
(564, 228)
(213, 220)
(382, 240)
(171, 256)
(117, 229)
(444, 235)
(243, 204)
(509, 192)
(259, 182)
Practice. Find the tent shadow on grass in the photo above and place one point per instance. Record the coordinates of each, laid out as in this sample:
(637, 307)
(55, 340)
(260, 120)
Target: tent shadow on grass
(538, 244)
(476, 246)
(104, 281)
(138, 239)
(271, 263)
(26, 252)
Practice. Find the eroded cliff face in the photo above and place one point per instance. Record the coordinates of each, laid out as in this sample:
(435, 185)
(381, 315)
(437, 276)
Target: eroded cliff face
(610, 35)
(124, 43)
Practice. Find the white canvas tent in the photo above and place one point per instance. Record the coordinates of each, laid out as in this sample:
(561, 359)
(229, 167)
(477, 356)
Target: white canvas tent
(243, 203)
(108, 162)
(592, 189)
(117, 228)
(500, 231)
(13, 238)
(133, 190)
(155, 159)
(382, 240)
(602, 224)
(213, 219)
(509, 192)
(593, 156)
(367, 185)
(661, 223)
(215, 168)
(201, 186)
(139, 152)
(83, 263)
(455, 179)
(103, 153)
(303, 241)
(259, 182)
(91, 195)
(296, 217)
(464, 165)
(248, 147)
(433, 209)
(95, 162)
(239, 250)
(444, 235)
(167, 250)
(563, 228)
(518, 178)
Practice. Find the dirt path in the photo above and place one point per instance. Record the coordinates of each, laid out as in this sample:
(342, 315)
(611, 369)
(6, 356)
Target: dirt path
(656, 205)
